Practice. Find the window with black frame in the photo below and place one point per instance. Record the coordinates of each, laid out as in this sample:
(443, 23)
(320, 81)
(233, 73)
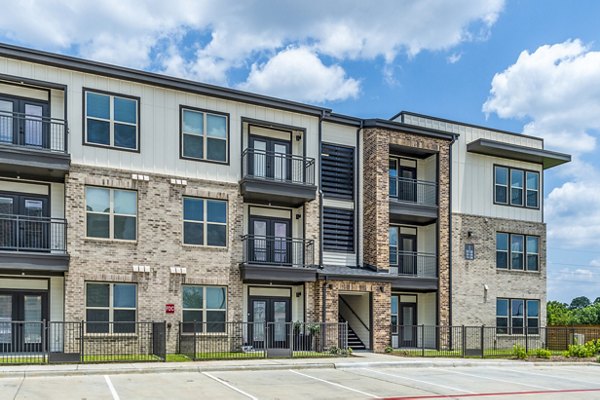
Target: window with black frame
(204, 309)
(517, 316)
(111, 120)
(517, 252)
(110, 307)
(516, 187)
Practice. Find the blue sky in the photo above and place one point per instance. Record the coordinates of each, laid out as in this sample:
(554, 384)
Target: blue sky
(529, 66)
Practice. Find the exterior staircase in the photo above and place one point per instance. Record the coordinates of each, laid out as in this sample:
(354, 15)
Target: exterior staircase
(354, 341)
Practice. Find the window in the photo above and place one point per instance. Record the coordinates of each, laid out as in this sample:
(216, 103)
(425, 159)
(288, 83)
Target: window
(111, 213)
(204, 135)
(394, 314)
(501, 185)
(204, 222)
(337, 171)
(517, 252)
(524, 187)
(205, 308)
(338, 230)
(111, 120)
(110, 307)
(393, 237)
(513, 316)
(533, 182)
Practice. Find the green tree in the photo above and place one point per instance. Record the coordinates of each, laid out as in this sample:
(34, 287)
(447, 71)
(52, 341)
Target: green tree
(589, 315)
(579, 302)
(597, 301)
(558, 313)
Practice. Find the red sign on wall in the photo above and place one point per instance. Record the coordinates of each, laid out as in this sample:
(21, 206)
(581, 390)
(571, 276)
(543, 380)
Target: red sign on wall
(170, 308)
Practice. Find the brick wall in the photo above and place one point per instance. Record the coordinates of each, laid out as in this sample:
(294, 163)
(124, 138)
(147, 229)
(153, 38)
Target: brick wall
(472, 304)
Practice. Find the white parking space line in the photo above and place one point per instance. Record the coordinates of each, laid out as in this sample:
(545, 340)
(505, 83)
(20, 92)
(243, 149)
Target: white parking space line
(496, 379)
(113, 392)
(335, 384)
(419, 381)
(549, 376)
(240, 391)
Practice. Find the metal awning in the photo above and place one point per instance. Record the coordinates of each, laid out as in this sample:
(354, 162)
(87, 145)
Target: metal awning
(546, 158)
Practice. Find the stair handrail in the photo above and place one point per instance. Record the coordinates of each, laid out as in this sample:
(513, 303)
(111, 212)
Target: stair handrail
(354, 313)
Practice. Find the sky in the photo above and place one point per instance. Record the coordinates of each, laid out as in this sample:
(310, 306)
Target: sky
(528, 66)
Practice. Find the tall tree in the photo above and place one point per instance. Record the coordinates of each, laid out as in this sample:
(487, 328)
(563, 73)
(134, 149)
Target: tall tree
(579, 302)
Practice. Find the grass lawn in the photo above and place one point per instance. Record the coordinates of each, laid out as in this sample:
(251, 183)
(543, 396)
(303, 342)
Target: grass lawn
(19, 359)
(489, 353)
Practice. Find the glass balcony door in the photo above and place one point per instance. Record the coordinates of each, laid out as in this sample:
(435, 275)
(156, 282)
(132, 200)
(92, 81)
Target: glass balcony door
(270, 318)
(21, 122)
(22, 222)
(270, 158)
(270, 241)
(21, 316)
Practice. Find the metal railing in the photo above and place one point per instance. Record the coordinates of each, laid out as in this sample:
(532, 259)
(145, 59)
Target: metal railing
(484, 341)
(33, 131)
(245, 340)
(416, 264)
(25, 233)
(279, 167)
(271, 250)
(413, 191)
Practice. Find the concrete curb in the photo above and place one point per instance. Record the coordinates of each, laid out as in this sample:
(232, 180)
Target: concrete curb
(120, 369)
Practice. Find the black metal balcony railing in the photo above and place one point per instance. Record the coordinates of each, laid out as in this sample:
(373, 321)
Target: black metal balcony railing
(413, 191)
(270, 250)
(33, 131)
(278, 167)
(24, 233)
(412, 263)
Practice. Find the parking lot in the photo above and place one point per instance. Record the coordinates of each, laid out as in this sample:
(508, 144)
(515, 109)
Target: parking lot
(401, 382)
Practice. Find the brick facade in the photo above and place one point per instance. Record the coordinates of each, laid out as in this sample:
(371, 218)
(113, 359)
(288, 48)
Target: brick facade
(472, 304)
(376, 219)
(158, 245)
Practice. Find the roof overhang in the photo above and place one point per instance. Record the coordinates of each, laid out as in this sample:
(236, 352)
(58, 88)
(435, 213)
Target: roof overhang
(546, 158)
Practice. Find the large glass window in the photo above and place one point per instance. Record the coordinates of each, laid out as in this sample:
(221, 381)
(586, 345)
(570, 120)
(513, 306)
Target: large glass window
(394, 314)
(513, 316)
(110, 307)
(517, 252)
(204, 135)
(204, 309)
(111, 120)
(204, 222)
(516, 187)
(393, 237)
(111, 213)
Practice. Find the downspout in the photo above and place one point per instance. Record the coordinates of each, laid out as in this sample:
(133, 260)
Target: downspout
(357, 212)
(320, 190)
(450, 233)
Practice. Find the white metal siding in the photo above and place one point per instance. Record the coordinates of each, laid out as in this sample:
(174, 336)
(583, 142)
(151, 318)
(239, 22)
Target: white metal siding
(339, 134)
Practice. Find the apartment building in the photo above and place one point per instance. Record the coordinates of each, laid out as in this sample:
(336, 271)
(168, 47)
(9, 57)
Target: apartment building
(129, 196)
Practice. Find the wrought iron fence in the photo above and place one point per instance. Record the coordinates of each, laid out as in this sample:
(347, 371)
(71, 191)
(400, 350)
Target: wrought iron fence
(281, 167)
(33, 131)
(245, 340)
(484, 341)
(278, 250)
(413, 191)
(23, 342)
(25, 233)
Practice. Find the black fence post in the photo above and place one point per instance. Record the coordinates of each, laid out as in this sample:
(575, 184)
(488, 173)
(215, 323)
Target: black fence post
(527, 339)
(195, 356)
(81, 344)
(422, 340)
(44, 343)
(164, 335)
(464, 341)
(482, 341)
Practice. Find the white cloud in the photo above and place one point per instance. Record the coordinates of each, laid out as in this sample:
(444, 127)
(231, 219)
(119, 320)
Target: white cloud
(454, 58)
(297, 73)
(234, 33)
(567, 283)
(556, 88)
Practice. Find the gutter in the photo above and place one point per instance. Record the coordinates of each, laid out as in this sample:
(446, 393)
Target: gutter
(357, 212)
(450, 233)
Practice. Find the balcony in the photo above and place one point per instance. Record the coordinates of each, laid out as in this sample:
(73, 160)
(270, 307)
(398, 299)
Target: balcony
(415, 270)
(413, 201)
(33, 146)
(276, 178)
(33, 243)
(277, 259)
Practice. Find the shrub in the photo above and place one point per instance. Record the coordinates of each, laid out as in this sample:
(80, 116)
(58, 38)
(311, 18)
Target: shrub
(542, 353)
(389, 349)
(580, 351)
(519, 352)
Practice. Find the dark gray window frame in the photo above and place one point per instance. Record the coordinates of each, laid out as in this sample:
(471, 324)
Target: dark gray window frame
(111, 307)
(526, 329)
(84, 141)
(205, 222)
(525, 253)
(204, 310)
(525, 188)
(228, 136)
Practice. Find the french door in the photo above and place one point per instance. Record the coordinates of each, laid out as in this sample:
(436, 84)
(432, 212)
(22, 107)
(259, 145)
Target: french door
(271, 323)
(21, 122)
(21, 316)
(22, 222)
(270, 241)
(270, 158)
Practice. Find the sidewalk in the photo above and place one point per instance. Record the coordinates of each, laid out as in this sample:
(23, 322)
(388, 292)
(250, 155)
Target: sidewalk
(358, 360)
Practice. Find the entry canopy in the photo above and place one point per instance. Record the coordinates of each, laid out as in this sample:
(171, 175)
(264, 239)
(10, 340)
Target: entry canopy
(546, 158)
